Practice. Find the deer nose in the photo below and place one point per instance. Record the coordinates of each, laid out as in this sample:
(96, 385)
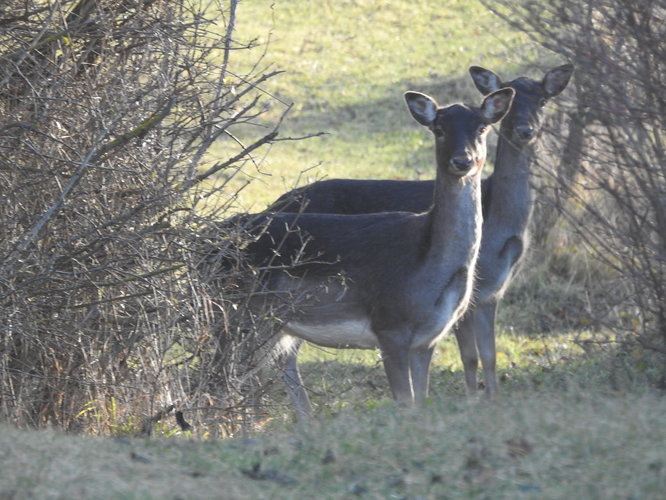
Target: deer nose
(461, 163)
(525, 132)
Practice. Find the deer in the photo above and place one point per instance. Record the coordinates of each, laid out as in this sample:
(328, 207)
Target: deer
(506, 205)
(396, 281)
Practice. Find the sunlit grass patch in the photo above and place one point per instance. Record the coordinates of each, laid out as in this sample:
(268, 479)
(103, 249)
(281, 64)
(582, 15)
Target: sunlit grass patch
(347, 65)
(348, 378)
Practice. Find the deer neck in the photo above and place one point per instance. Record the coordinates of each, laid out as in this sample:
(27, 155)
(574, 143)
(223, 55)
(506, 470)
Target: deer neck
(510, 200)
(455, 220)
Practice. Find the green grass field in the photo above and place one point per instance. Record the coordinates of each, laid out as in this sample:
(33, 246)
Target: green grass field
(566, 427)
(572, 422)
(347, 65)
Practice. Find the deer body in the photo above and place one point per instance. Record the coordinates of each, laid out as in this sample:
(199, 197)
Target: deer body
(506, 200)
(393, 280)
(422, 289)
(350, 196)
(508, 207)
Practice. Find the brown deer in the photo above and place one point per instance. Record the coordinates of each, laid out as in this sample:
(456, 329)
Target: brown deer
(396, 281)
(506, 200)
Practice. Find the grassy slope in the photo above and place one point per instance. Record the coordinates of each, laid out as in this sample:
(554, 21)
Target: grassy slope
(347, 65)
(579, 444)
(568, 425)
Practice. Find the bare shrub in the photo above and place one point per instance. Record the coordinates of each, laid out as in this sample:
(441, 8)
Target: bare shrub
(108, 111)
(608, 179)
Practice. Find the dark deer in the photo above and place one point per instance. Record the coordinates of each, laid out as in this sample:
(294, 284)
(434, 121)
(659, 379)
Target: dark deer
(506, 201)
(396, 281)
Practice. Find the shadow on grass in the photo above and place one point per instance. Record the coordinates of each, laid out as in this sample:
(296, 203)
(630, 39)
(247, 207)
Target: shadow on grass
(378, 114)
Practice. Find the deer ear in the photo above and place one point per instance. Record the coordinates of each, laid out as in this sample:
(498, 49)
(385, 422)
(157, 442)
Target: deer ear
(485, 80)
(422, 107)
(556, 80)
(497, 104)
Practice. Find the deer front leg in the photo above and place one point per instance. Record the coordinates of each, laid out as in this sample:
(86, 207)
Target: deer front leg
(484, 328)
(395, 355)
(419, 368)
(469, 355)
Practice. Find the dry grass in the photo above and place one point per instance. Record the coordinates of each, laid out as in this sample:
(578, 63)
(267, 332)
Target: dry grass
(544, 444)
(577, 418)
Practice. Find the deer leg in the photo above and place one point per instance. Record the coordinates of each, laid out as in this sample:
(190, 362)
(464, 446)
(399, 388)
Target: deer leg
(395, 355)
(419, 367)
(484, 327)
(469, 355)
(298, 395)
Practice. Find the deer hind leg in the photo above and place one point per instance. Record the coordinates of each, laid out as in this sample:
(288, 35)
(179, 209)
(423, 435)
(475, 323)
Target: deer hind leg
(465, 335)
(296, 390)
(484, 327)
(419, 368)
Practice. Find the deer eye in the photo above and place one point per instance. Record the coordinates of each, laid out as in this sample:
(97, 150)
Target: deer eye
(438, 132)
(482, 130)
(542, 102)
